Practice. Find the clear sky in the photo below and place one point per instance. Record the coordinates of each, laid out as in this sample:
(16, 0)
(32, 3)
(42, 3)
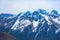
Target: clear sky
(16, 6)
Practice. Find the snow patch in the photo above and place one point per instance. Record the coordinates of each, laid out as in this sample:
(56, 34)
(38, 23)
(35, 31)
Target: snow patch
(56, 20)
(35, 24)
(57, 30)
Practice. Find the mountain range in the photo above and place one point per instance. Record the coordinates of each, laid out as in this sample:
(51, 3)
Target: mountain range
(38, 25)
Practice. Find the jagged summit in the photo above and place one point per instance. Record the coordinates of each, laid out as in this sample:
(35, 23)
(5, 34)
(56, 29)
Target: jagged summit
(37, 25)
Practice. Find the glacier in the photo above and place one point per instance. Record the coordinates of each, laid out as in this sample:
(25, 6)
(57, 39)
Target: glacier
(38, 25)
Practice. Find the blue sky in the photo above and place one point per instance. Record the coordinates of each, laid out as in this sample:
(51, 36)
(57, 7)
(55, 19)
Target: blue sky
(16, 6)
